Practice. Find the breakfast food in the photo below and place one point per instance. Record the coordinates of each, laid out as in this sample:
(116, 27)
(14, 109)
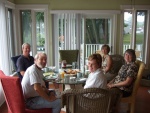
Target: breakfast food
(71, 71)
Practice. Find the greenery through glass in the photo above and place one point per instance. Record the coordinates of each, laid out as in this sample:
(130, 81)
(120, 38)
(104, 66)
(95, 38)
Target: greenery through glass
(40, 32)
(26, 26)
(97, 31)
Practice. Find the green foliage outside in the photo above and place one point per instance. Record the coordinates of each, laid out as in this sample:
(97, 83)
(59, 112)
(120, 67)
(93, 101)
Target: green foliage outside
(139, 38)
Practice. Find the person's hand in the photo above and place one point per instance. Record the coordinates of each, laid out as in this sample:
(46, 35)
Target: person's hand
(110, 85)
(52, 96)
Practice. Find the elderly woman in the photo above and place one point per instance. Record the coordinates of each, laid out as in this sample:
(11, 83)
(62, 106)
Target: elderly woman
(96, 78)
(126, 75)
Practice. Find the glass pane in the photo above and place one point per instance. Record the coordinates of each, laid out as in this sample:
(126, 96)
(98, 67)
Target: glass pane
(97, 34)
(140, 33)
(67, 31)
(61, 33)
(127, 33)
(40, 31)
(26, 26)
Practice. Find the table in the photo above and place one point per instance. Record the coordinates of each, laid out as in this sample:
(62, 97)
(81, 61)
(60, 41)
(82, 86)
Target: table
(66, 85)
(52, 77)
(71, 85)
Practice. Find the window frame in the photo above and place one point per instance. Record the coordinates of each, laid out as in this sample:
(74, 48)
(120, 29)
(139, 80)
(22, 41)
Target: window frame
(134, 9)
(113, 14)
(34, 9)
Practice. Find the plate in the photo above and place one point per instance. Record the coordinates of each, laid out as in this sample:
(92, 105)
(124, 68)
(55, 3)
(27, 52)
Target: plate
(50, 77)
(68, 65)
(48, 74)
(82, 79)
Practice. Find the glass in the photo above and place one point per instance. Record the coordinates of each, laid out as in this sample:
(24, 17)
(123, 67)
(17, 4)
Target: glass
(74, 65)
(140, 34)
(62, 75)
(40, 31)
(127, 33)
(26, 25)
(52, 68)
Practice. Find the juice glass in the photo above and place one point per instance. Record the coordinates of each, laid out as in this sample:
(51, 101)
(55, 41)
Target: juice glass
(62, 75)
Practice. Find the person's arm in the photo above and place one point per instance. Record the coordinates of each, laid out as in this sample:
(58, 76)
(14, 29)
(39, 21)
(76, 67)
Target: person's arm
(109, 64)
(43, 93)
(22, 73)
(127, 82)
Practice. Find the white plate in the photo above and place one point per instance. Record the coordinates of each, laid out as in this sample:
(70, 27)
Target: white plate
(50, 77)
(68, 65)
(82, 79)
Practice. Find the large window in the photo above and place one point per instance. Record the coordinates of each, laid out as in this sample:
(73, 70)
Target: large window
(134, 34)
(33, 28)
(38, 36)
(83, 31)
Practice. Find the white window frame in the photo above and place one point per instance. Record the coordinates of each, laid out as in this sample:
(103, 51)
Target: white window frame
(34, 9)
(103, 13)
(134, 8)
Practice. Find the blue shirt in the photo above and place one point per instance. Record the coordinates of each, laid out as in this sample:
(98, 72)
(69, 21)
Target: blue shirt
(23, 63)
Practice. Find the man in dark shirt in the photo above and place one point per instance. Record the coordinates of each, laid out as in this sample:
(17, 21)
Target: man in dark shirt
(25, 60)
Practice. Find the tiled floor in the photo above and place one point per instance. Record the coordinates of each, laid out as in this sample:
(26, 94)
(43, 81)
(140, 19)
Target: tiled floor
(142, 103)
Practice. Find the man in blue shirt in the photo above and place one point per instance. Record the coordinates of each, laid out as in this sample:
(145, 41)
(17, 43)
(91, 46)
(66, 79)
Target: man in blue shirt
(25, 60)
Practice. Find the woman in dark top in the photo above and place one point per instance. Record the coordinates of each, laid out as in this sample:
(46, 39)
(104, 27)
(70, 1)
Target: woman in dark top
(126, 75)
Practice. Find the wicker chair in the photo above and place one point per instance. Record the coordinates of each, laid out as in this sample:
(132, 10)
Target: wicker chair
(118, 61)
(91, 100)
(131, 99)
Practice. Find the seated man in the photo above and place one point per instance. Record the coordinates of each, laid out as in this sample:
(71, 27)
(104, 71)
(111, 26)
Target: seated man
(36, 94)
(25, 60)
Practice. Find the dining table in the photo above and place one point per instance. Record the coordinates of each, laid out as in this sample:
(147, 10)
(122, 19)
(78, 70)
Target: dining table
(67, 84)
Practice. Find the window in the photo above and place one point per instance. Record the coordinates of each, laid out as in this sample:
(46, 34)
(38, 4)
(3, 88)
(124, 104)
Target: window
(33, 28)
(83, 31)
(27, 25)
(135, 32)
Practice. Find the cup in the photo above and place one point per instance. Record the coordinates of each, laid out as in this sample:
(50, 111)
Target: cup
(74, 65)
(72, 79)
(62, 75)
(46, 69)
(66, 78)
(79, 75)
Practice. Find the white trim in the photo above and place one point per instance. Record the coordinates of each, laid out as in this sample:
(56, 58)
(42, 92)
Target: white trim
(129, 7)
(10, 5)
(86, 11)
(32, 7)
(147, 45)
(121, 33)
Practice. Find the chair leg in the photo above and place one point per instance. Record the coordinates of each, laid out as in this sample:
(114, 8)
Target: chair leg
(132, 107)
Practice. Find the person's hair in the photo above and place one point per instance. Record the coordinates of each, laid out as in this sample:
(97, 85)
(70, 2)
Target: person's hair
(96, 57)
(25, 44)
(107, 47)
(39, 54)
(132, 53)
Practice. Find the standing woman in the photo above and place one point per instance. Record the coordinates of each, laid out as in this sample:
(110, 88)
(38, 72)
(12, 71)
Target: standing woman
(126, 75)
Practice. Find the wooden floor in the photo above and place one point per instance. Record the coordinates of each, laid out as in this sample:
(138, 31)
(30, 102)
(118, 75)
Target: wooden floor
(142, 103)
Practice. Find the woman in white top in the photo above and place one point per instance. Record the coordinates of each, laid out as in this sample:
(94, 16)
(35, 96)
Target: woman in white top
(96, 78)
